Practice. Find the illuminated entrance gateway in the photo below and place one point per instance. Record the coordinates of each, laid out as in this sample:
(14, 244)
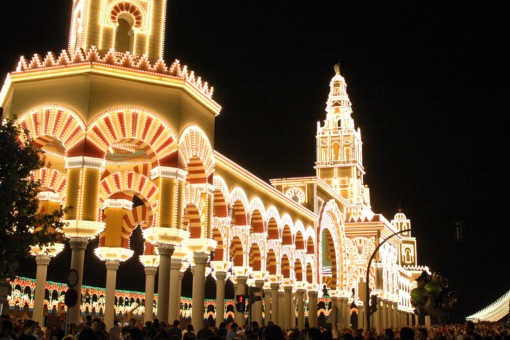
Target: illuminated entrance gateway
(129, 141)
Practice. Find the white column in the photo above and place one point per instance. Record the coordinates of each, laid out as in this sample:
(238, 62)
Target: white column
(111, 280)
(42, 261)
(312, 308)
(197, 308)
(289, 314)
(78, 246)
(274, 303)
(256, 314)
(174, 304)
(377, 315)
(220, 297)
(300, 293)
(165, 253)
(281, 309)
(150, 280)
(267, 305)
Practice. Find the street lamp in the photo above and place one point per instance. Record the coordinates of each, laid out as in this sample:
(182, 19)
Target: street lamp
(367, 293)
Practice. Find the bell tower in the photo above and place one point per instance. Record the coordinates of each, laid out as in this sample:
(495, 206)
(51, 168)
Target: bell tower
(135, 26)
(339, 147)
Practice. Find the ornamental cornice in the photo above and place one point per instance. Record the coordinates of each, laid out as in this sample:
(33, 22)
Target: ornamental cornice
(125, 63)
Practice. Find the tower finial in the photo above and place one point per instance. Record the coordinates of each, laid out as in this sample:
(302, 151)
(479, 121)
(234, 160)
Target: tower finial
(337, 68)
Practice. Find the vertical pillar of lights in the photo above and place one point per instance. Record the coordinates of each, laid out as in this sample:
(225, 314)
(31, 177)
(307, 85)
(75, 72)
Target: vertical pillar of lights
(300, 294)
(150, 262)
(180, 254)
(82, 189)
(312, 306)
(198, 291)
(289, 313)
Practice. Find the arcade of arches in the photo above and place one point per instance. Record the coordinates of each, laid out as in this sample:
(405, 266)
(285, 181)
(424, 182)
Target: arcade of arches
(129, 142)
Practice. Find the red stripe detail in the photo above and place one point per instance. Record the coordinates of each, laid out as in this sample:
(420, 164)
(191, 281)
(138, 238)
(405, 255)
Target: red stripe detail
(111, 130)
(122, 123)
(148, 123)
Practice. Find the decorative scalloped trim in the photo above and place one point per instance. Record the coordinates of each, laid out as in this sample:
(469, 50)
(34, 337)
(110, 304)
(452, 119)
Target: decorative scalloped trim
(124, 60)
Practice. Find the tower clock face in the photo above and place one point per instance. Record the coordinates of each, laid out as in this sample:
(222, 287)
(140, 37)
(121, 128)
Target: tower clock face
(296, 194)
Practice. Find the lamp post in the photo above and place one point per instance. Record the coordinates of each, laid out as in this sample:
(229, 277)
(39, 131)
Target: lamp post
(367, 293)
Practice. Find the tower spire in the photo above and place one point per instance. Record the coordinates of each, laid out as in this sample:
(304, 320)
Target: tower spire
(339, 147)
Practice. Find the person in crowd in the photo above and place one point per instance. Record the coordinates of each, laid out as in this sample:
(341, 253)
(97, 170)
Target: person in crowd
(28, 331)
(232, 333)
(190, 333)
(175, 330)
(115, 331)
(406, 333)
(273, 332)
(6, 327)
(470, 332)
(204, 333)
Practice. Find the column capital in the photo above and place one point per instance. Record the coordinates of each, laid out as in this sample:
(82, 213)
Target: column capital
(259, 283)
(149, 270)
(200, 257)
(288, 289)
(220, 275)
(166, 249)
(241, 279)
(175, 263)
(78, 242)
(301, 292)
(42, 259)
(313, 293)
(274, 286)
(112, 264)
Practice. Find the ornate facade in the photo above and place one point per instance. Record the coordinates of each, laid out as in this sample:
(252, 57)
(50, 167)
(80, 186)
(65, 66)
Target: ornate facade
(129, 141)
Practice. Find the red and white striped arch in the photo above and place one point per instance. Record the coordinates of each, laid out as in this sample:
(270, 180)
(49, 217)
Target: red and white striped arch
(49, 123)
(140, 215)
(194, 211)
(255, 257)
(124, 7)
(221, 197)
(193, 142)
(286, 226)
(51, 179)
(132, 182)
(147, 131)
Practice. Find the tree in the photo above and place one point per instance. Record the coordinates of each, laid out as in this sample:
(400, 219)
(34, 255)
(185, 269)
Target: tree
(21, 225)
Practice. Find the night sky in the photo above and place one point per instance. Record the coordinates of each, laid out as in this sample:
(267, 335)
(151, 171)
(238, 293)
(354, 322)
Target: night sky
(429, 84)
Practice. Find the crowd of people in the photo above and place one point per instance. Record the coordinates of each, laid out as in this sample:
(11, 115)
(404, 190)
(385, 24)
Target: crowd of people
(95, 329)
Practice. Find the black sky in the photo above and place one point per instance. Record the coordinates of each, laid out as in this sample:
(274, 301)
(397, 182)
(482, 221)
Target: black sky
(429, 85)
